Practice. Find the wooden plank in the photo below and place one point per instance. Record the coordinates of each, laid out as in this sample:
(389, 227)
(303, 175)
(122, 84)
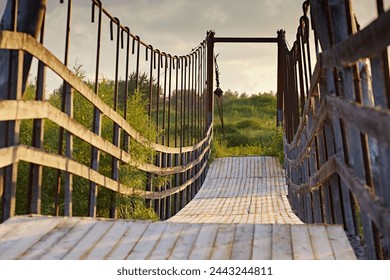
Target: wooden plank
(340, 244)
(370, 120)
(22, 41)
(322, 249)
(372, 39)
(185, 243)
(262, 242)
(21, 110)
(25, 235)
(281, 242)
(163, 249)
(147, 241)
(223, 242)
(301, 243)
(70, 240)
(204, 242)
(103, 247)
(10, 224)
(375, 210)
(243, 242)
(128, 240)
(50, 239)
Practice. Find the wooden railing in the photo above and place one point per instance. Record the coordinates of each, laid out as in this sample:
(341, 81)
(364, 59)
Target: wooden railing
(337, 123)
(179, 102)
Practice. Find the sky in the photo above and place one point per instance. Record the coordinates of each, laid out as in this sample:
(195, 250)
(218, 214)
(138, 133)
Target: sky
(177, 26)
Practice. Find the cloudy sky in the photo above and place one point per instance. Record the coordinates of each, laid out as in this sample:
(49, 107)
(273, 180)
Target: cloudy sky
(177, 26)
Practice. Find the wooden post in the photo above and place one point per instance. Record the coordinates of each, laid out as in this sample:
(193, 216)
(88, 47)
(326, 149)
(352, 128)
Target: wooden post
(281, 73)
(333, 25)
(22, 16)
(210, 78)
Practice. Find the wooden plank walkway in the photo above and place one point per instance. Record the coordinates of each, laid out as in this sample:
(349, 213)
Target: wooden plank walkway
(241, 212)
(241, 190)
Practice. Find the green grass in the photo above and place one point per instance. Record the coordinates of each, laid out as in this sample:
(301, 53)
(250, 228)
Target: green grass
(249, 126)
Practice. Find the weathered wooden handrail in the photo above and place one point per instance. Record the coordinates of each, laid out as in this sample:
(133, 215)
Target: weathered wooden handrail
(22, 41)
(185, 160)
(23, 110)
(336, 157)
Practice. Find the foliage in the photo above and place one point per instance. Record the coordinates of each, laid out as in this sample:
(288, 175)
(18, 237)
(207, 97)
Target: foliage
(127, 206)
(249, 126)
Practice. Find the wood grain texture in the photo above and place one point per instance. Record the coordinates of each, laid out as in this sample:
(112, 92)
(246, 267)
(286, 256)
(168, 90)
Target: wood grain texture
(236, 215)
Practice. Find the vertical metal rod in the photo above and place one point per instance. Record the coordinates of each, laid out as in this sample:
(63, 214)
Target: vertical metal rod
(137, 63)
(184, 103)
(164, 64)
(210, 77)
(168, 141)
(68, 140)
(177, 100)
(200, 89)
(116, 129)
(68, 210)
(187, 96)
(188, 102)
(150, 82)
(176, 198)
(281, 74)
(126, 138)
(96, 126)
(35, 179)
(12, 136)
(182, 114)
(158, 154)
(149, 175)
(306, 63)
(158, 93)
(192, 103)
(196, 94)
(300, 47)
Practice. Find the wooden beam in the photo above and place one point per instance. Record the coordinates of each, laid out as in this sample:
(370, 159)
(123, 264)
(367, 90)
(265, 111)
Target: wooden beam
(16, 41)
(245, 39)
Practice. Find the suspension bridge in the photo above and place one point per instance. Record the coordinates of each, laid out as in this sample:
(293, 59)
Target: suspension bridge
(332, 102)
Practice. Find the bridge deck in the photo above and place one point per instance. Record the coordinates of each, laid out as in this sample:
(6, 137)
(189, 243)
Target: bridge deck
(241, 212)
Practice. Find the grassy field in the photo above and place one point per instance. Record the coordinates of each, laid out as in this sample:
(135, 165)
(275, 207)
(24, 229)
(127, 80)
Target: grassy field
(250, 127)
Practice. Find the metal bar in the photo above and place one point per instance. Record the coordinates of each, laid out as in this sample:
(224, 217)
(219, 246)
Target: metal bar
(168, 142)
(137, 63)
(300, 48)
(188, 94)
(116, 129)
(35, 180)
(176, 198)
(12, 135)
(210, 77)
(158, 93)
(150, 81)
(158, 205)
(245, 39)
(67, 108)
(68, 182)
(192, 103)
(182, 113)
(280, 80)
(97, 122)
(126, 137)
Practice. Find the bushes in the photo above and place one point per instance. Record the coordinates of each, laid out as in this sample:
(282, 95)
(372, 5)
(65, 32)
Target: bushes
(250, 128)
(127, 206)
